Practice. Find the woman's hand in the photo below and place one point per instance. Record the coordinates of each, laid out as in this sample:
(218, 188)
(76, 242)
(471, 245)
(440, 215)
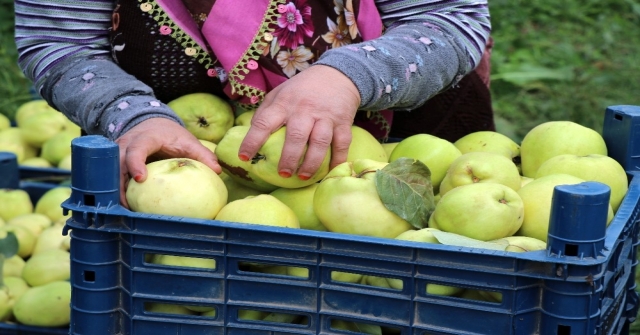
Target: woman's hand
(318, 106)
(153, 139)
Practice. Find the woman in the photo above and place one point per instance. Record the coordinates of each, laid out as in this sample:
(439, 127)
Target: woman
(111, 66)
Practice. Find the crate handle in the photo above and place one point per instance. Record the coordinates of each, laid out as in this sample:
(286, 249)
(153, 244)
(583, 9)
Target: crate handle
(578, 219)
(9, 170)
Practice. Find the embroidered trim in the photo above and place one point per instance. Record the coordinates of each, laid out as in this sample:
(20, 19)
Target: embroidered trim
(254, 52)
(168, 27)
(378, 119)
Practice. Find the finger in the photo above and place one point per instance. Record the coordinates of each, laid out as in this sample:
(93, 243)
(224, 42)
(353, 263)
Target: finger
(319, 143)
(340, 144)
(263, 123)
(188, 146)
(208, 158)
(136, 160)
(295, 143)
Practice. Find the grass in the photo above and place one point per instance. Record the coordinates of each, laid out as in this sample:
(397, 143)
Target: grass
(14, 87)
(563, 60)
(552, 60)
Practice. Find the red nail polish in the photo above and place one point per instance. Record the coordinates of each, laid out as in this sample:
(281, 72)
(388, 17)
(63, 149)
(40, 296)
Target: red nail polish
(243, 157)
(284, 174)
(137, 178)
(304, 177)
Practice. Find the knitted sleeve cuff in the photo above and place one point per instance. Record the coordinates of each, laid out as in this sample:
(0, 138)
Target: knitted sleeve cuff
(402, 69)
(100, 97)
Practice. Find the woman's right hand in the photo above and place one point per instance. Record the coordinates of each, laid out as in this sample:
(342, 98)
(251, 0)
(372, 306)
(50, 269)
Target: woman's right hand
(154, 139)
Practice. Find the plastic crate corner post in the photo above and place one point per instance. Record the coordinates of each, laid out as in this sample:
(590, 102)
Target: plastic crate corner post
(95, 178)
(95, 256)
(96, 290)
(577, 228)
(576, 212)
(9, 170)
(621, 133)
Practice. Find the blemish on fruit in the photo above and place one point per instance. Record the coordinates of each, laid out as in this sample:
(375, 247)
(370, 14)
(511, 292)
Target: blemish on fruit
(258, 157)
(468, 169)
(235, 170)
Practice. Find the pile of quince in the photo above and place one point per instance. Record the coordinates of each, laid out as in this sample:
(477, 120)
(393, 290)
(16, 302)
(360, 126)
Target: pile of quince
(35, 288)
(484, 186)
(40, 137)
(482, 191)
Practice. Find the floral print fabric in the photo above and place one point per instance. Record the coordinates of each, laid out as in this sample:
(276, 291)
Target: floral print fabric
(305, 32)
(302, 31)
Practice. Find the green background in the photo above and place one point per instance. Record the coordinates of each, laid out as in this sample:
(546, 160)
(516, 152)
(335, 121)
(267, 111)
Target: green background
(552, 60)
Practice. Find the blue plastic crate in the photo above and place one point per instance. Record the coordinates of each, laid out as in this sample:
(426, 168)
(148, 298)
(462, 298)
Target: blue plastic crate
(44, 175)
(40, 175)
(543, 292)
(15, 329)
(9, 178)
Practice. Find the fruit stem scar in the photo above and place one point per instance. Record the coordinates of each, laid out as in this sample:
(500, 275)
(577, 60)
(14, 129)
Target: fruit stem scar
(362, 173)
(202, 122)
(502, 201)
(258, 157)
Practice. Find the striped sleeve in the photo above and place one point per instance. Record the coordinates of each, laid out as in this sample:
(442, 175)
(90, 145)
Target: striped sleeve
(468, 21)
(427, 47)
(63, 47)
(47, 32)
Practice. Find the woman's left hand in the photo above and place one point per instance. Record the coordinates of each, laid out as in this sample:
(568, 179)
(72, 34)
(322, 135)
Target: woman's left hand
(318, 106)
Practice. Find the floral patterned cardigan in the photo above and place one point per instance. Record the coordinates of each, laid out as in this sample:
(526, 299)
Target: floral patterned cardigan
(92, 59)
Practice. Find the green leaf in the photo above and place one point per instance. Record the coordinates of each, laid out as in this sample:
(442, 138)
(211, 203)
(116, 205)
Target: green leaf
(463, 241)
(9, 245)
(405, 188)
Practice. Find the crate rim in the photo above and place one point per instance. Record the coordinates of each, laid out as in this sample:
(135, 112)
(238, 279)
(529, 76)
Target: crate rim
(628, 207)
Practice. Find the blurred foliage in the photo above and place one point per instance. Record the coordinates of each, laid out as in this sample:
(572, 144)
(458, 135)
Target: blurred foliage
(563, 60)
(552, 60)
(14, 87)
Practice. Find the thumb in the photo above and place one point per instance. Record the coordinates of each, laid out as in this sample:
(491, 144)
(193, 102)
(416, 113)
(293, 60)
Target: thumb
(206, 157)
(135, 160)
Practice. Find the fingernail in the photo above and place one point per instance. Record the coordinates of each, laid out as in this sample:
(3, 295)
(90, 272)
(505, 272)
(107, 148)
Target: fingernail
(137, 178)
(284, 173)
(304, 176)
(243, 157)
